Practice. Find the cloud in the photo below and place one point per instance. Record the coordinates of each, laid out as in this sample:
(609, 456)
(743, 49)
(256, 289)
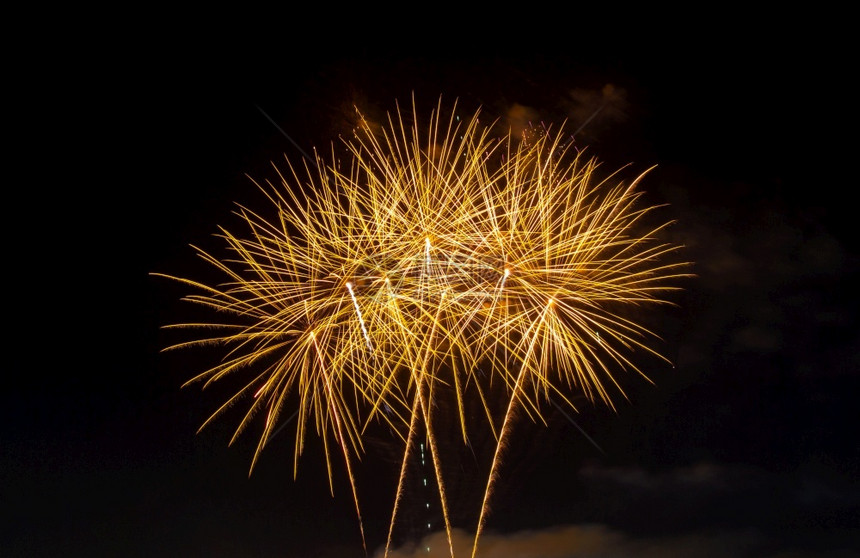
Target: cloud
(560, 542)
(702, 511)
(590, 541)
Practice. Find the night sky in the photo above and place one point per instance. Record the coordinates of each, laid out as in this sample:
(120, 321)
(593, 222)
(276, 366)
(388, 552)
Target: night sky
(748, 447)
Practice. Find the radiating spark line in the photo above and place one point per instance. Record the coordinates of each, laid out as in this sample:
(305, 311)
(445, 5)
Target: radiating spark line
(573, 422)
(358, 313)
(275, 124)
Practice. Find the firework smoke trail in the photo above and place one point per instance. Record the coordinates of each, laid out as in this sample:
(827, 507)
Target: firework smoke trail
(431, 256)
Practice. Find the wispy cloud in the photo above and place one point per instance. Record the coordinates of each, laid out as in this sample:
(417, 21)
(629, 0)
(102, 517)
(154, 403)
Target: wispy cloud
(588, 541)
(707, 511)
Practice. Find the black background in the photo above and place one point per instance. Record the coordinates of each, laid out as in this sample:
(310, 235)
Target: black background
(133, 147)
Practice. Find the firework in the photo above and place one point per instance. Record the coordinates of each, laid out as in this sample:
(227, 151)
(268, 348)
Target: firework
(424, 257)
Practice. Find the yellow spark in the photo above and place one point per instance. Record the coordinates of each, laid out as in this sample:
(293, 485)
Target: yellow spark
(358, 313)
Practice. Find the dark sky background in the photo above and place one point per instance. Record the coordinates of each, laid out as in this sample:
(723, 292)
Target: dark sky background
(748, 447)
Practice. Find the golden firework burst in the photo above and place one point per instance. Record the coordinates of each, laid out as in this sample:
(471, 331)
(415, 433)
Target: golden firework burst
(431, 255)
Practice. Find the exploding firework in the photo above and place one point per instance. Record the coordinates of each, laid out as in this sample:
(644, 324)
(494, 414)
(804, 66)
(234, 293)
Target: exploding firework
(429, 261)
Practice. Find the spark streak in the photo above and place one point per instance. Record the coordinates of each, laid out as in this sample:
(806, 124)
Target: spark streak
(358, 313)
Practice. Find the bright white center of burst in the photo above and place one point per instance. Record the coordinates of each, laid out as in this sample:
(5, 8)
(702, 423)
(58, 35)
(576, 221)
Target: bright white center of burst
(427, 250)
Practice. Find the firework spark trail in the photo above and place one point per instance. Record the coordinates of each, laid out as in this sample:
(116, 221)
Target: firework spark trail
(420, 403)
(343, 445)
(442, 257)
(505, 430)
